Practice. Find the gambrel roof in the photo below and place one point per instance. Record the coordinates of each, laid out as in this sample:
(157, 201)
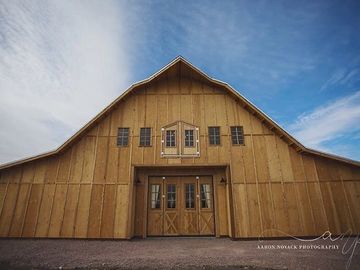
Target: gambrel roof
(241, 99)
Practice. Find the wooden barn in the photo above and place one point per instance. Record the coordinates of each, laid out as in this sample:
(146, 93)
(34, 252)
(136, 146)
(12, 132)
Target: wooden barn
(180, 154)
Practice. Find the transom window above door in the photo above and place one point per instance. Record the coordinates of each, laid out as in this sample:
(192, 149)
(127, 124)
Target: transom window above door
(180, 139)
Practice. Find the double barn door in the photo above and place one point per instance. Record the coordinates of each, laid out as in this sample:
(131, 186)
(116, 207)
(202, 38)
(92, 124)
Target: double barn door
(180, 205)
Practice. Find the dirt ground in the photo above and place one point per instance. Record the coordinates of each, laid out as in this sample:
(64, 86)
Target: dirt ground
(177, 253)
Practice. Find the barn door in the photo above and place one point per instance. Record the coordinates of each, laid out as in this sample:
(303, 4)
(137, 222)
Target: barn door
(172, 206)
(189, 207)
(155, 207)
(180, 206)
(206, 206)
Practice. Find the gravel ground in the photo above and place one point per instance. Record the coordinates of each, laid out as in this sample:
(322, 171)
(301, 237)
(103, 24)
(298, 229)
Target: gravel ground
(174, 253)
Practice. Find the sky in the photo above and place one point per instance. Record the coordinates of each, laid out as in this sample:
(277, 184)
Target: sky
(62, 62)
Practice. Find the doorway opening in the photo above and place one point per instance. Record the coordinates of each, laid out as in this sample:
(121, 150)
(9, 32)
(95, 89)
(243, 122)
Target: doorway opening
(180, 205)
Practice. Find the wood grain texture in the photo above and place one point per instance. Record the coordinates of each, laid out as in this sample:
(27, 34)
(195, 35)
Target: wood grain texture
(83, 208)
(67, 228)
(47, 201)
(20, 210)
(96, 203)
(8, 208)
(32, 210)
(108, 213)
(57, 211)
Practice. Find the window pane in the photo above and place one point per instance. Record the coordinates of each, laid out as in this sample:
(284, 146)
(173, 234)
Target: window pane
(189, 196)
(171, 196)
(155, 196)
(189, 138)
(237, 135)
(123, 137)
(214, 135)
(170, 138)
(205, 195)
(145, 136)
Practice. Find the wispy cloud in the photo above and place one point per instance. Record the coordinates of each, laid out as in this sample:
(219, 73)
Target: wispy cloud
(60, 63)
(341, 77)
(252, 45)
(329, 122)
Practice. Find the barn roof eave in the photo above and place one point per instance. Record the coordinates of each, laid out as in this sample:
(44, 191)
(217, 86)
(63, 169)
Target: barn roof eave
(257, 111)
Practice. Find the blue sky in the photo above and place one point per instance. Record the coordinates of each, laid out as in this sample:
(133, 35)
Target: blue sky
(298, 61)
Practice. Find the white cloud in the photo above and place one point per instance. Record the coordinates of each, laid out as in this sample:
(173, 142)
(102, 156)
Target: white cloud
(328, 122)
(61, 62)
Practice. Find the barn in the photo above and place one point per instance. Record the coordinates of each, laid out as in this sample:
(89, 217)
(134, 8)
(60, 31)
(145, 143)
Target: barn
(178, 154)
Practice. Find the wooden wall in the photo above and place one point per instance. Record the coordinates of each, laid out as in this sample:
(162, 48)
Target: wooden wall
(35, 203)
(87, 190)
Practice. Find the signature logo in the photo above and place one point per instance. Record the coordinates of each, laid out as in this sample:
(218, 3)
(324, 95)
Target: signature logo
(348, 248)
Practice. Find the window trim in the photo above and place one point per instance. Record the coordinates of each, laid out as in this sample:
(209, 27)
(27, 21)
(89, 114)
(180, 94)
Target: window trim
(243, 136)
(208, 135)
(171, 146)
(118, 136)
(150, 138)
(180, 150)
(193, 138)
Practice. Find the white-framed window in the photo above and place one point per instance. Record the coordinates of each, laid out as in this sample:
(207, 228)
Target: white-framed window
(170, 138)
(189, 138)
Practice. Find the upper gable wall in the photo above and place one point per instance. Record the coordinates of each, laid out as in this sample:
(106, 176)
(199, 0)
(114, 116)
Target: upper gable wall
(180, 94)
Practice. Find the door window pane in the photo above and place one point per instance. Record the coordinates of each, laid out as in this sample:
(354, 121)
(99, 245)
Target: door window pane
(205, 195)
(189, 196)
(155, 196)
(171, 196)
